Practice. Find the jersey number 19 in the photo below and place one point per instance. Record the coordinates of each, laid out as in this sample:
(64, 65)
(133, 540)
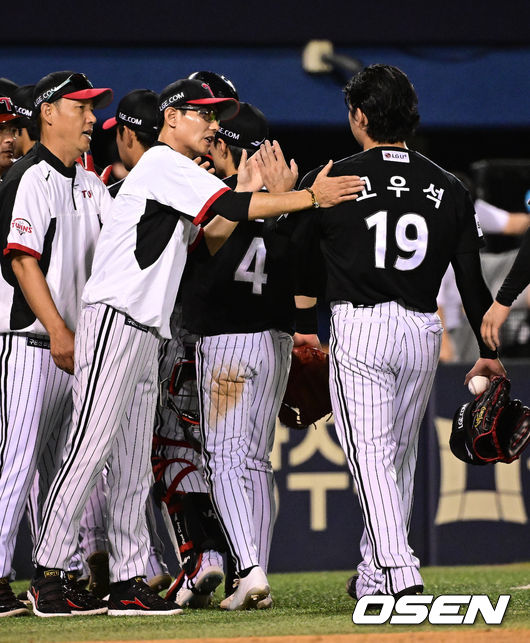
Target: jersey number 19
(417, 245)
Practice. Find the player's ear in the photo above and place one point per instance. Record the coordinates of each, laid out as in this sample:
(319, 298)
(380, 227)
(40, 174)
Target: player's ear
(223, 148)
(46, 112)
(130, 136)
(171, 116)
(362, 118)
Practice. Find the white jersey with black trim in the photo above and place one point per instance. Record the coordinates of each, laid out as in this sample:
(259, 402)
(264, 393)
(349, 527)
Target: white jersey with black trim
(53, 213)
(142, 250)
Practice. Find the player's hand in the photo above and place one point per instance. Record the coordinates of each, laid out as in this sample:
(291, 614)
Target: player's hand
(277, 175)
(249, 177)
(307, 340)
(492, 321)
(331, 190)
(62, 348)
(205, 163)
(487, 367)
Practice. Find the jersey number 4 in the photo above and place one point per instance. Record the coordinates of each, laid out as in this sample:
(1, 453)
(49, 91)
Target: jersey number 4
(417, 244)
(258, 277)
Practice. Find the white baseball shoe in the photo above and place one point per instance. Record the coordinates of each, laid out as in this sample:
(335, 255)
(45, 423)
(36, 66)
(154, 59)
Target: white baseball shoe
(198, 593)
(265, 603)
(250, 591)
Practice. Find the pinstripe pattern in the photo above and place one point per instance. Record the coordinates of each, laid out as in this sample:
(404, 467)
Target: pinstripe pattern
(114, 395)
(155, 561)
(383, 362)
(93, 524)
(35, 413)
(241, 380)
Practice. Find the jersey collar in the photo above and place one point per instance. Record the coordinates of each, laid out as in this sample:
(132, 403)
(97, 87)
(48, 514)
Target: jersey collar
(51, 159)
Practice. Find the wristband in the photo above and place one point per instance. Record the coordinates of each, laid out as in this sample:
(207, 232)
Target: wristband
(315, 203)
(306, 320)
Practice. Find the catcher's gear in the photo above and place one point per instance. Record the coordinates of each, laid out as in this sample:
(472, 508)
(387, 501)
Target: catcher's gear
(306, 397)
(492, 428)
(183, 400)
(193, 526)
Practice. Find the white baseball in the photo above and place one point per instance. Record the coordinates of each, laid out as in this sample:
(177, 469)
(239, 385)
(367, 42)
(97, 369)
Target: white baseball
(478, 384)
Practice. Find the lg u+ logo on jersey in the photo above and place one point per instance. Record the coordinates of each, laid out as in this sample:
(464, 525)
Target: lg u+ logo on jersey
(413, 610)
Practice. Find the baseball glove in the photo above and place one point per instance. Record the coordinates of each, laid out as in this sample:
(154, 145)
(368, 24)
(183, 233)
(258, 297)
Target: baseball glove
(492, 428)
(306, 397)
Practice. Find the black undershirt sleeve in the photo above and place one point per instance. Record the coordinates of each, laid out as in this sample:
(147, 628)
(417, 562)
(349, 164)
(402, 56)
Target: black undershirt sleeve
(475, 295)
(518, 277)
(233, 205)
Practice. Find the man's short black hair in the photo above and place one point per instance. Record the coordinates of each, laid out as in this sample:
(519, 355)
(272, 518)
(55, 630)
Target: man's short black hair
(146, 139)
(33, 129)
(388, 99)
(236, 152)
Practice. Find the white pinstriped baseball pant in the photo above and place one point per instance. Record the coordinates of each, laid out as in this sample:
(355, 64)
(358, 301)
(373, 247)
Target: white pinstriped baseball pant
(241, 380)
(383, 362)
(35, 412)
(115, 393)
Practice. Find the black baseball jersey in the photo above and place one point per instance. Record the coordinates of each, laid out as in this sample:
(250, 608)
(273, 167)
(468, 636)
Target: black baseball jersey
(395, 241)
(247, 286)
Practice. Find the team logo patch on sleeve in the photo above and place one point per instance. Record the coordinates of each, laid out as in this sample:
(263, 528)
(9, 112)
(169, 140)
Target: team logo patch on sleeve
(394, 155)
(22, 226)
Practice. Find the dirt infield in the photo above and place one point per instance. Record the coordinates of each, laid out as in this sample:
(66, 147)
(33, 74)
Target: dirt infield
(448, 636)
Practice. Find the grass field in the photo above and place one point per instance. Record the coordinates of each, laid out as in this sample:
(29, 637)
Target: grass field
(308, 603)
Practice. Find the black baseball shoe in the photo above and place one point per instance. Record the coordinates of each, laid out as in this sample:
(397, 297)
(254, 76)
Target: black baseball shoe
(134, 597)
(9, 604)
(351, 588)
(414, 590)
(46, 594)
(81, 601)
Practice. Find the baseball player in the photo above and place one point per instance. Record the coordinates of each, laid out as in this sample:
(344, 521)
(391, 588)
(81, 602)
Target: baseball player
(136, 125)
(385, 256)
(127, 304)
(241, 304)
(50, 213)
(177, 463)
(28, 130)
(8, 130)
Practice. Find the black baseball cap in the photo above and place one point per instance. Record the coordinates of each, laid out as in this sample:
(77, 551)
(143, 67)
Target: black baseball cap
(7, 110)
(247, 130)
(69, 84)
(196, 92)
(7, 87)
(221, 86)
(23, 100)
(137, 110)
